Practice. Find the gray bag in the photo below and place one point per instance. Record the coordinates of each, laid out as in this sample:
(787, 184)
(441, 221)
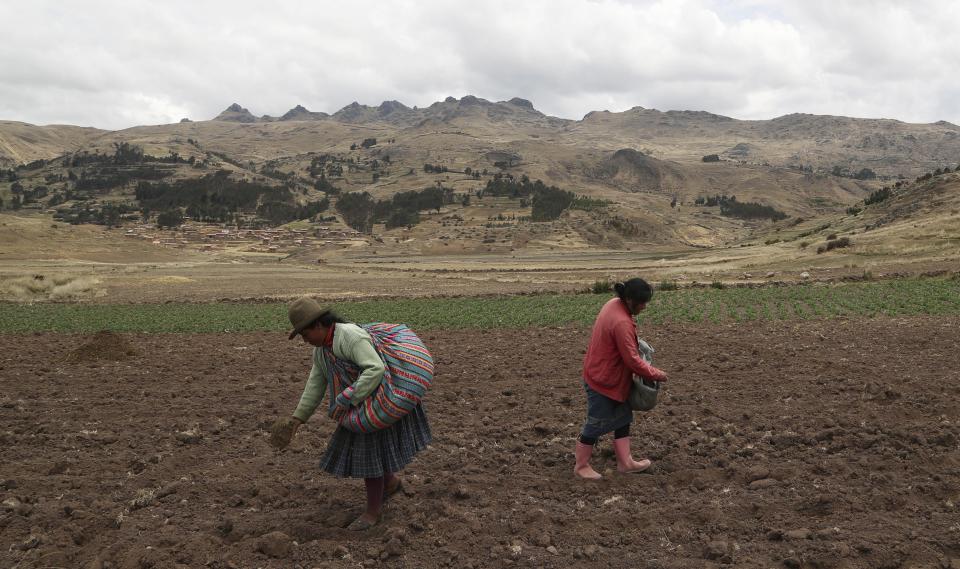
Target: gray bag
(643, 393)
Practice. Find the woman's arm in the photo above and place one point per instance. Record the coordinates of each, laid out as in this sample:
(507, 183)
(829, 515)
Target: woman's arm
(626, 340)
(362, 353)
(313, 391)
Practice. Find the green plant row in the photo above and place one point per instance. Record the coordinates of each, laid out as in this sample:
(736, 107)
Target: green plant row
(731, 304)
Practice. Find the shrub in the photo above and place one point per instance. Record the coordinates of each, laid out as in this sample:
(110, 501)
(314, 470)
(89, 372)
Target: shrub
(838, 243)
(600, 287)
(877, 196)
(667, 285)
(718, 284)
(832, 244)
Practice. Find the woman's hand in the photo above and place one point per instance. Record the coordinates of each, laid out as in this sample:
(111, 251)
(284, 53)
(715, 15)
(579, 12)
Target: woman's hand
(282, 431)
(660, 375)
(341, 404)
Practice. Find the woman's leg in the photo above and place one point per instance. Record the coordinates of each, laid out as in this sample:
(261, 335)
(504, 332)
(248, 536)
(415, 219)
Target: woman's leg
(621, 446)
(377, 491)
(599, 410)
(370, 517)
(391, 484)
(374, 497)
(581, 465)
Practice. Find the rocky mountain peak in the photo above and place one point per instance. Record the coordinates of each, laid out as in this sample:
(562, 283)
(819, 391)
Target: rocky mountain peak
(388, 107)
(300, 113)
(236, 113)
(517, 101)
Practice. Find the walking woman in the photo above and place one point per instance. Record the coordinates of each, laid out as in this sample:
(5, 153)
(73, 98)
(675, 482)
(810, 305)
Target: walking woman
(375, 376)
(611, 359)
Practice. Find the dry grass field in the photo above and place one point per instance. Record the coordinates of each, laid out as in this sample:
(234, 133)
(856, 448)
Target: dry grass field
(914, 233)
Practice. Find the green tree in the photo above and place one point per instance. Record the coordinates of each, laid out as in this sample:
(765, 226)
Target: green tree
(170, 218)
(125, 153)
(865, 174)
(356, 208)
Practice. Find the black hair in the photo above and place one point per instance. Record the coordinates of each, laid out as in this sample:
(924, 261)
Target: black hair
(326, 319)
(635, 289)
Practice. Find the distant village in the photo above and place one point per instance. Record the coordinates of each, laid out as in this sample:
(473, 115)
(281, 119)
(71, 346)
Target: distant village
(217, 237)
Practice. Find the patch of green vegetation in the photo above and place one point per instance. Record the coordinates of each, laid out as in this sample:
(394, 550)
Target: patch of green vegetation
(822, 202)
(601, 286)
(905, 297)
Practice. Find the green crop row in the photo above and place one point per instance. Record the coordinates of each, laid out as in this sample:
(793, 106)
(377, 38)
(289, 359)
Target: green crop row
(864, 299)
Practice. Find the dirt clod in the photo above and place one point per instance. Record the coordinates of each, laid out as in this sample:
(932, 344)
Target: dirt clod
(275, 544)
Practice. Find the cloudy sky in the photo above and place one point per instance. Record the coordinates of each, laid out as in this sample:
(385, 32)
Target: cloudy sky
(115, 64)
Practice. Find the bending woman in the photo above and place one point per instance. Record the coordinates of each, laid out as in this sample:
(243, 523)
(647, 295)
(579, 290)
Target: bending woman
(375, 438)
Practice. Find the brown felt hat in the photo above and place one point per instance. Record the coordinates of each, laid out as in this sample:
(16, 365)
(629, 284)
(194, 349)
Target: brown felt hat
(303, 312)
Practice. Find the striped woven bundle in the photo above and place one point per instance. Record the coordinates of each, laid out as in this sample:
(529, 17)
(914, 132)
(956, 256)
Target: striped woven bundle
(408, 373)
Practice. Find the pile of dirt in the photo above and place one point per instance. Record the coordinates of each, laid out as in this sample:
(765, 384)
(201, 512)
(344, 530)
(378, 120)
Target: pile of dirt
(104, 345)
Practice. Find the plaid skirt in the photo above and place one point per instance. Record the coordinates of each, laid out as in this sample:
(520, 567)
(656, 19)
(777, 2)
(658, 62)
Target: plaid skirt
(371, 455)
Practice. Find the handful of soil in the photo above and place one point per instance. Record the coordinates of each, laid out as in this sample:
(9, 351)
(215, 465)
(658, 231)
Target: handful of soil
(281, 433)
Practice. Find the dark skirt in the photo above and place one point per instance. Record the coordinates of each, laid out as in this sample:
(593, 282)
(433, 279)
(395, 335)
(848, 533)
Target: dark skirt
(604, 415)
(371, 455)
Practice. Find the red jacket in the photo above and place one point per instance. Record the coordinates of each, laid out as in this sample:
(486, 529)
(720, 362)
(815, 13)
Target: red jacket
(612, 356)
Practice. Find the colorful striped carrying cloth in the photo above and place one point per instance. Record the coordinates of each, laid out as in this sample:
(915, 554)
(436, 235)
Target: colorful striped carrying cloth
(406, 378)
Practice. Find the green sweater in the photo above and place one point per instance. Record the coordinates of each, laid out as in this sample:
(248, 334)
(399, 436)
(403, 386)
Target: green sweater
(353, 344)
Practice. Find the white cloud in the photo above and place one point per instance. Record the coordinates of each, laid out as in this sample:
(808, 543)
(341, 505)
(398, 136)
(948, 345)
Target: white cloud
(112, 64)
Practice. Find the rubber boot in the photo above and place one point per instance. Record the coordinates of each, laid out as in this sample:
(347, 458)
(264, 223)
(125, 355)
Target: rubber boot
(625, 462)
(582, 466)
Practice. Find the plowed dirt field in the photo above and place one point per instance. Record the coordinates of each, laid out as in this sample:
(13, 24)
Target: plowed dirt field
(798, 444)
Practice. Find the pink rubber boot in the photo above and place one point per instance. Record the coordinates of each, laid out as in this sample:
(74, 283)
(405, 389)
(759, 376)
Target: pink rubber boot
(582, 466)
(625, 462)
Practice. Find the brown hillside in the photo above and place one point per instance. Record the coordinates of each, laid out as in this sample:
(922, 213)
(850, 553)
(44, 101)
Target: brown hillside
(888, 147)
(646, 163)
(21, 143)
